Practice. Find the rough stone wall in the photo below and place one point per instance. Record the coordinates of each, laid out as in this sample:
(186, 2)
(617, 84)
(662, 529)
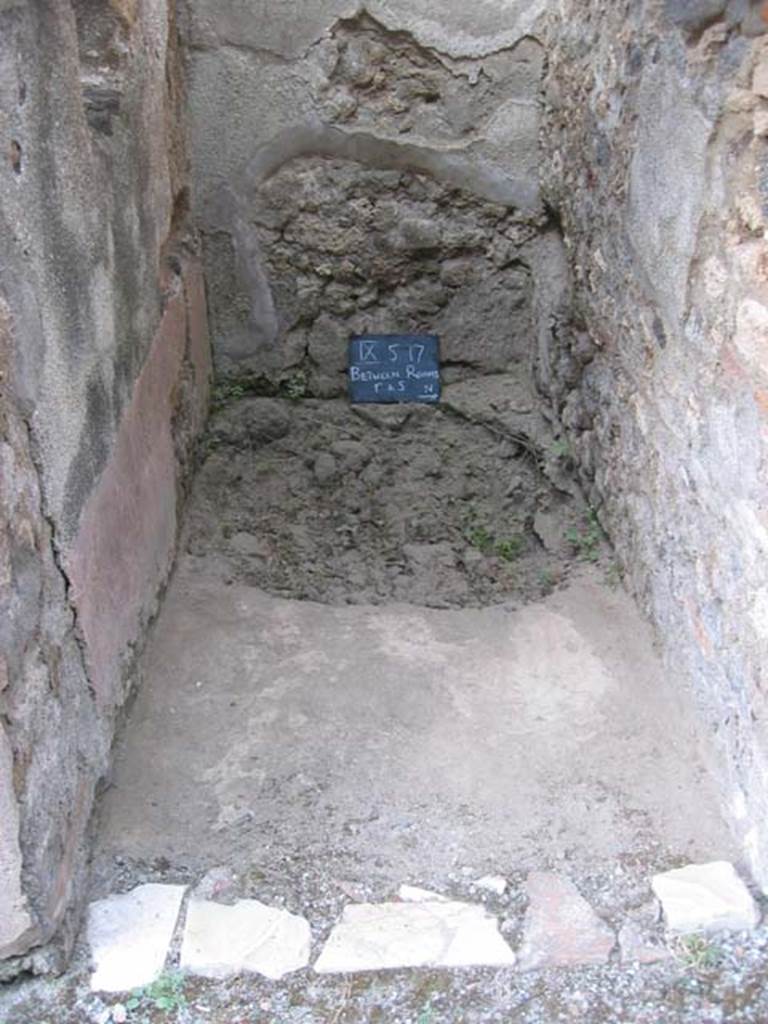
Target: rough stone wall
(360, 168)
(105, 372)
(349, 250)
(657, 162)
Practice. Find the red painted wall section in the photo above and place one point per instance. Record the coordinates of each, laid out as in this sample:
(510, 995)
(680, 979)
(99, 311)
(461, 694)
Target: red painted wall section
(125, 545)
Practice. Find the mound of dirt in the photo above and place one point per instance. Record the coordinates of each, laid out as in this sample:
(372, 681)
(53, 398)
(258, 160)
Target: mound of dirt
(326, 502)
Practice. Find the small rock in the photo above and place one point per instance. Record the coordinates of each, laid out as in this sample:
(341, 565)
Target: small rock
(249, 544)
(561, 929)
(354, 890)
(352, 455)
(388, 417)
(492, 883)
(325, 469)
(694, 15)
(457, 272)
(705, 898)
(119, 1014)
(423, 557)
(638, 947)
(548, 528)
(221, 941)
(472, 558)
(416, 234)
(251, 422)
(373, 937)
(760, 78)
(216, 884)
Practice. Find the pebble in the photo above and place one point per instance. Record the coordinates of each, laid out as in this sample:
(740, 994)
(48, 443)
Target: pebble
(325, 469)
(492, 883)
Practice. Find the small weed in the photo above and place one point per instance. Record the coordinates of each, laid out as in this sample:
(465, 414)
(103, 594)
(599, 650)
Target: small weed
(166, 995)
(587, 538)
(697, 953)
(614, 574)
(426, 1016)
(232, 389)
(479, 538)
(226, 391)
(560, 449)
(547, 578)
(296, 386)
(510, 548)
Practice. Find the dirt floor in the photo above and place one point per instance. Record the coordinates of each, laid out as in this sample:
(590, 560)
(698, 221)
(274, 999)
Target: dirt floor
(395, 650)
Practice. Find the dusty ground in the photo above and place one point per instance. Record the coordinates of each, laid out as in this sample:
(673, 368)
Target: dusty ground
(328, 749)
(402, 743)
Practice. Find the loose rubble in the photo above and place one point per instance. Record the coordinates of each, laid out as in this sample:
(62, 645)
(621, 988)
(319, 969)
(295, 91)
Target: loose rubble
(435, 506)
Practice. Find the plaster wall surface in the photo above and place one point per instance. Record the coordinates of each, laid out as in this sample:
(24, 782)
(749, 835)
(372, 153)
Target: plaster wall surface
(452, 97)
(104, 378)
(657, 159)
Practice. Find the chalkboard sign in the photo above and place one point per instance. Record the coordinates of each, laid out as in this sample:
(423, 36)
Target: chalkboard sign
(394, 368)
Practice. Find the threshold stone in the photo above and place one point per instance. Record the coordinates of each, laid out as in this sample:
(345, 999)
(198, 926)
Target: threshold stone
(130, 934)
(561, 929)
(221, 941)
(373, 937)
(705, 898)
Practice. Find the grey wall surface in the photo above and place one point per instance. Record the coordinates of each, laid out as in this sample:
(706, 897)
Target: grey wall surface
(657, 159)
(94, 265)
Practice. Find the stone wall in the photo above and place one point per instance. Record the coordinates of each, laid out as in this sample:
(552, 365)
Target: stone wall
(657, 162)
(104, 373)
(365, 168)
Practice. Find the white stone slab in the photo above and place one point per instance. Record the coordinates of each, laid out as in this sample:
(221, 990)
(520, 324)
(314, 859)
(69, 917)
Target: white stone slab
(221, 941)
(130, 934)
(372, 937)
(705, 898)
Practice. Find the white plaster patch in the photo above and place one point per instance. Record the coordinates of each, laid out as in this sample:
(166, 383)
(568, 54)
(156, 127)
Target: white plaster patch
(705, 898)
(739, 805)
(14, 919)
(130, 934)
(221, 941)
(758, 612)
(760, 77)
(372, 937)
(751, 335)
